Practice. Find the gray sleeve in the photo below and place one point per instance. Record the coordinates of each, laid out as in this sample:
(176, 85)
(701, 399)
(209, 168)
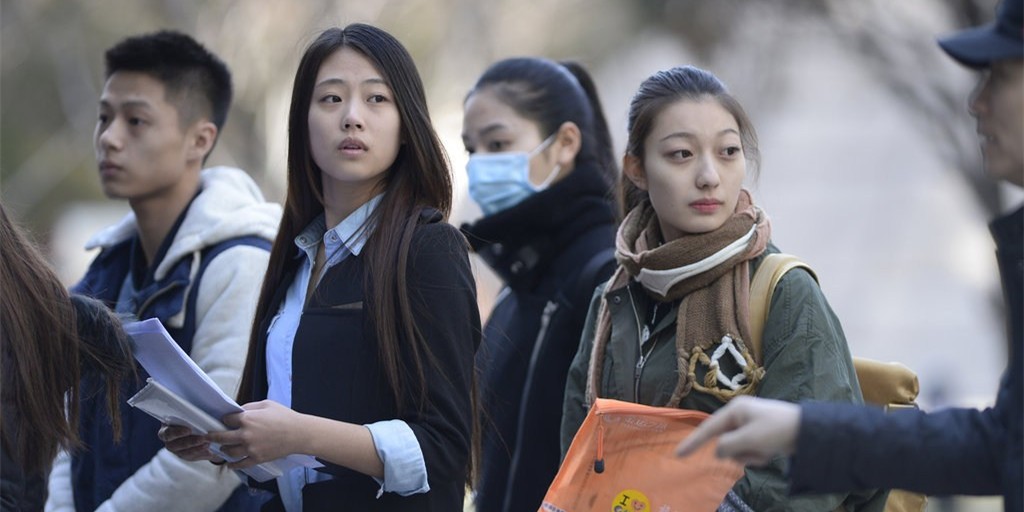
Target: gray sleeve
(574, 408)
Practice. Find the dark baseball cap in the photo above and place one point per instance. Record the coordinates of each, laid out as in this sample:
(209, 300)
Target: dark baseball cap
(1002, 39)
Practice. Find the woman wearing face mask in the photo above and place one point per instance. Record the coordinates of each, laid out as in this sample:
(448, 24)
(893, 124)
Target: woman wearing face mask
(689, 243)
(541, 169)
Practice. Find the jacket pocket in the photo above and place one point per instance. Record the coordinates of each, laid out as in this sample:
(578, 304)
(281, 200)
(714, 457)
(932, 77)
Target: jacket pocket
(335, 309)
(350, 306)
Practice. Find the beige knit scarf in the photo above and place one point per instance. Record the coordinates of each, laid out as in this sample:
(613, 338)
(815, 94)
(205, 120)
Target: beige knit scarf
(708, 271)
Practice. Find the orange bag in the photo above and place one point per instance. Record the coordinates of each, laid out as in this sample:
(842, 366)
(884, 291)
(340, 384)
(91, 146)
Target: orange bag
(623, 460)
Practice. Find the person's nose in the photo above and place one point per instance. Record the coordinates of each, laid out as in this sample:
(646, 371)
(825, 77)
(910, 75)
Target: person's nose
(353, 117)
(109, 136)
(707, 173)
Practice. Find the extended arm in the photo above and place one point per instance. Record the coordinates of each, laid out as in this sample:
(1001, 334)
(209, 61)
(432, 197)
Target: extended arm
(842, 447)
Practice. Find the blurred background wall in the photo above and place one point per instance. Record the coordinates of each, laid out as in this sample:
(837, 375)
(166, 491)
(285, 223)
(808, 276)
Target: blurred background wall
(870, 171)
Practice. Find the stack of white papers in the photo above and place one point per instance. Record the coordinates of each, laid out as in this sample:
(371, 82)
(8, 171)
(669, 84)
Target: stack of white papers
(178, 392)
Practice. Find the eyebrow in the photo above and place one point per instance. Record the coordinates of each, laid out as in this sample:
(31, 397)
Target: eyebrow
(126, 104)
(487, 130)
(341, 81)
(688, 135)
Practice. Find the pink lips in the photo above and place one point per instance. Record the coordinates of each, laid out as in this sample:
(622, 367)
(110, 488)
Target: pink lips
(351, 146)
(108, 168)
(706, 205)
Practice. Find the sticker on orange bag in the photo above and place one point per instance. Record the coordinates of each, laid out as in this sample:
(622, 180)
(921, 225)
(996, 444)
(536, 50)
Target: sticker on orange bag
(631, 500)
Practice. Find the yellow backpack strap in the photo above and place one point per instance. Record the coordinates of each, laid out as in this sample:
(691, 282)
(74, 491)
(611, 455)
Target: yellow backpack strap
(762, 287)
(890, 385)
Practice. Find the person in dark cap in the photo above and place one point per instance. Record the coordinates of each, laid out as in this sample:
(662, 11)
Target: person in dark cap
(842, 447)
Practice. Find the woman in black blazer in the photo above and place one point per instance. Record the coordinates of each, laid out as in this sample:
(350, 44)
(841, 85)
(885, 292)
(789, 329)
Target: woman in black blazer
(362, 346)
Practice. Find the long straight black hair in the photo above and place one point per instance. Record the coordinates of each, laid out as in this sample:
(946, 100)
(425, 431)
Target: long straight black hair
(419, 178)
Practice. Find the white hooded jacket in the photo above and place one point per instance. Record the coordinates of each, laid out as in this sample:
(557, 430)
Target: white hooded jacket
(230, 205)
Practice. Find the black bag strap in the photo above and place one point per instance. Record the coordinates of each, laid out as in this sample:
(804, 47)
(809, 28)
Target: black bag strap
(208, 254)
(585, 282)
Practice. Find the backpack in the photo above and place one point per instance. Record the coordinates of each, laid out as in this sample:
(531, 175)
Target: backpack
(889, 385)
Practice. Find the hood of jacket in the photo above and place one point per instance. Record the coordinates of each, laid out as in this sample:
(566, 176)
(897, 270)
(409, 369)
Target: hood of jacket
(229, 205)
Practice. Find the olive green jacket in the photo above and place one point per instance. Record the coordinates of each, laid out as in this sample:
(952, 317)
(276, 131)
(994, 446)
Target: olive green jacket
(805, 358)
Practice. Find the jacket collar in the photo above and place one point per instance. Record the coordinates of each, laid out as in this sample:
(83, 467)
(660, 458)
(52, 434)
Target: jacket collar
(229, 205)
(1008, 232)
(520, 243)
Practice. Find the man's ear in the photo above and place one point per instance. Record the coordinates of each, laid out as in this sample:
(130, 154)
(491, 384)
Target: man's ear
(201, 138)
(633, 169)
(567, 144)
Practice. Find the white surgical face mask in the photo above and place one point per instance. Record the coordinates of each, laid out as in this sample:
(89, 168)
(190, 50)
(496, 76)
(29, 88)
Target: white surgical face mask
(499, 181)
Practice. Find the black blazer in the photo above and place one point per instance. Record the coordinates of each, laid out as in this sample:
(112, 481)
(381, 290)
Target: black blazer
(337, 372)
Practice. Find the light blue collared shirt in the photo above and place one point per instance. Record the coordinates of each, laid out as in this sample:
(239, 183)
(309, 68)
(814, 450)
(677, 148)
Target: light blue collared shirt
(405, 471)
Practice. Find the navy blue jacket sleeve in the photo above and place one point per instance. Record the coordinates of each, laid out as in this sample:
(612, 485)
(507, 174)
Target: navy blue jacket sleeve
(954, 451)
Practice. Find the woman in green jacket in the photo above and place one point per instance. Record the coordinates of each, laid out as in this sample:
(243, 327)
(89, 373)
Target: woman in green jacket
(670, 328)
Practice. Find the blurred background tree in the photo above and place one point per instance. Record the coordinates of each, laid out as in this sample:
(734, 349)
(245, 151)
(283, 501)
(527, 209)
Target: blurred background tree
(52, 64)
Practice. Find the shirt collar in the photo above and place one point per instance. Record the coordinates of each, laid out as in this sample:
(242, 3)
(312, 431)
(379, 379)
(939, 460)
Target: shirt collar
(348, 237)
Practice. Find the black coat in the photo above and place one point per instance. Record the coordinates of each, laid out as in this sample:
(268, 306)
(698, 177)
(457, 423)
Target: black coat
(955, 451)
(20, 490)
(552, 250)
(338, 375)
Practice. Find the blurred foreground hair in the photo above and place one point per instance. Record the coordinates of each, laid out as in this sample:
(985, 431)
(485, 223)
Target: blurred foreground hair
(46, 336)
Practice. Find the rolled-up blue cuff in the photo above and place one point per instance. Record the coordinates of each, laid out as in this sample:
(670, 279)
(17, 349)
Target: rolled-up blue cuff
(405, 471)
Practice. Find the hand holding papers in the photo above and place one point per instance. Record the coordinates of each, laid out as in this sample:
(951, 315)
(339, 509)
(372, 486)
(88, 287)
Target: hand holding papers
(165, 405)
(181, 393)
